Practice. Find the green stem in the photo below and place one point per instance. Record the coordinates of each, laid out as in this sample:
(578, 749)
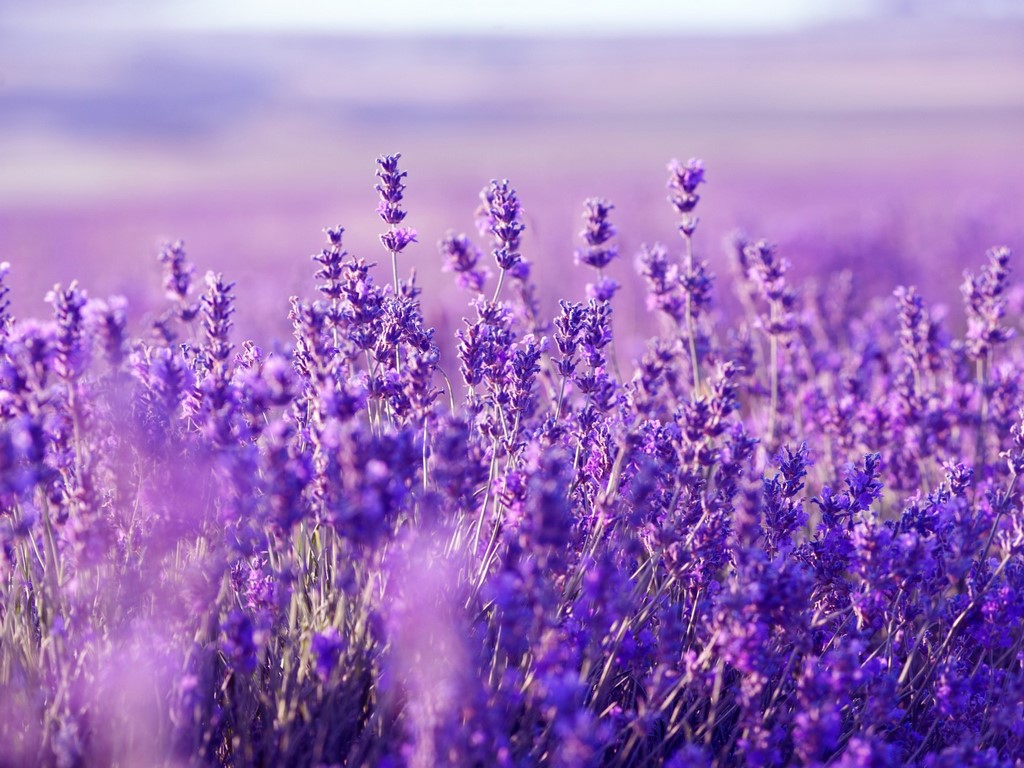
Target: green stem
(689, 321)
(497, 288)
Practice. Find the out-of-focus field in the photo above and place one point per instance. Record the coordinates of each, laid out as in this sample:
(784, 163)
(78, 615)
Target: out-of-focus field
(896, 150)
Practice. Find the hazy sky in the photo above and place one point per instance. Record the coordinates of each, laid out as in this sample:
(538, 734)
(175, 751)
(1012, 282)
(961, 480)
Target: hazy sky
(521, 15)
(600, 17)
(532, 16)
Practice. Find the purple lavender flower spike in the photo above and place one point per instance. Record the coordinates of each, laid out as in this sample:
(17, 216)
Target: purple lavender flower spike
(985, 299)
(109, 319)
(71, 346)
(500, 216)
(218, 307)
(178, 273)
(331, 260)
(682, 185)
(597, 232)
(462, 257)
(390, 188)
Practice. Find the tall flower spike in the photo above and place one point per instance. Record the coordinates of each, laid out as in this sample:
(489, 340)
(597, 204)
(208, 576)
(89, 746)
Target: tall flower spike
(217, 311)
(178, 271)
(985, 299)
(391, 189)
(331, 260)
(682, 191)
(499, 216)
(598, 251)
(596, 233)
(108, 319)
(71, 348)
(694, 280)
(768, 271)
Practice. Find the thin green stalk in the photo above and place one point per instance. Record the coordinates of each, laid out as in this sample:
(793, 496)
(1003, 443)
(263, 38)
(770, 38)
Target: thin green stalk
(773, 373)
(394, 273)
(497, 288)
(690, 332)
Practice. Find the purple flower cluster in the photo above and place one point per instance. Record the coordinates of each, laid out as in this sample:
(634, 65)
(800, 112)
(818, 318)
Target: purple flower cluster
(781, 537)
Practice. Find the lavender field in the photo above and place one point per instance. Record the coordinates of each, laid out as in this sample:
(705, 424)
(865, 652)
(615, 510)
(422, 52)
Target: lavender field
(720, 470)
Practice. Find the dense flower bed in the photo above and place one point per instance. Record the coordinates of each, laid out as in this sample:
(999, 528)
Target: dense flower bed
(787, 537)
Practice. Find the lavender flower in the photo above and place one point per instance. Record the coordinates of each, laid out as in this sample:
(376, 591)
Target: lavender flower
(597, 232)
(984, 296)
(217, 311)
(462, 257)
(500, 216)
(663, 282)
(71, 349)
(331, 269)
(178, 272)
(109, 319)
(396, 240)
(682, 184)
(390, 188)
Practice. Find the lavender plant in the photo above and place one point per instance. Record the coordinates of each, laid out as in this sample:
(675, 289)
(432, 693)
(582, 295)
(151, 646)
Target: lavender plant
(327, 554)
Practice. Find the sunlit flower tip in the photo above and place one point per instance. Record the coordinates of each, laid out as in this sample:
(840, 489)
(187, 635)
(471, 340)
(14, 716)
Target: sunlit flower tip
(397, 239)
(389, 163)
(686, 176)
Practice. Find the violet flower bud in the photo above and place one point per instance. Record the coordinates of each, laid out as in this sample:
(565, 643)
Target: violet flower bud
(396, 240)
(682, 185)
(598, 230)
(390, 189)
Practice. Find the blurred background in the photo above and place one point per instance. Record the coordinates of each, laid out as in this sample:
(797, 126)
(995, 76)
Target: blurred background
(887, 137)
